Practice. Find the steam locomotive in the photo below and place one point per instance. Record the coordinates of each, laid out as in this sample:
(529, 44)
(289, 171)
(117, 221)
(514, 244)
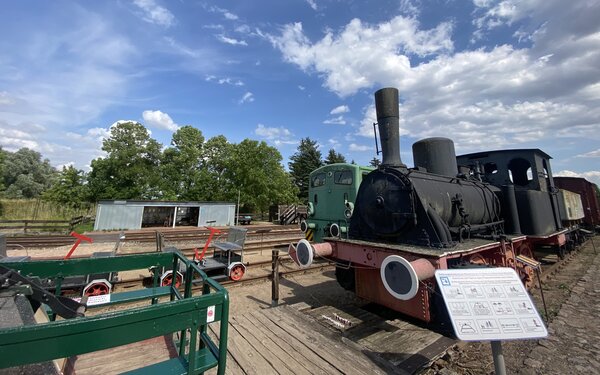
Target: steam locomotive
(483, 209)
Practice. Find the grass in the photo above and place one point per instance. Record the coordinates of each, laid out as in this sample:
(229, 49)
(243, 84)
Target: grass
(37, 209)
(84, 227)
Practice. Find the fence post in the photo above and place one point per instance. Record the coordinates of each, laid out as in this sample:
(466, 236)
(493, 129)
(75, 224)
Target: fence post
(25, 227)
(275, 278)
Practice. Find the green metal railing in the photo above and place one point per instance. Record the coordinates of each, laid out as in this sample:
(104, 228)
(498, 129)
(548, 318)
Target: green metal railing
(184, 314)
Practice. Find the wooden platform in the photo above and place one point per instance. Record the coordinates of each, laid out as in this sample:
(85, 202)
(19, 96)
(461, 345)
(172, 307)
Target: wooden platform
(122, 358)
(299, 340)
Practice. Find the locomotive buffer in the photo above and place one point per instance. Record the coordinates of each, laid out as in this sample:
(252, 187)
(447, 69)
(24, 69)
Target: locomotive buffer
(489, 304)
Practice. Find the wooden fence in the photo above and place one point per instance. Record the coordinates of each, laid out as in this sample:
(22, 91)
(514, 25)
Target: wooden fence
(42, 225)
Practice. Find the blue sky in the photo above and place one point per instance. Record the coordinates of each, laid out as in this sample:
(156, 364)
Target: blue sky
(488, 74)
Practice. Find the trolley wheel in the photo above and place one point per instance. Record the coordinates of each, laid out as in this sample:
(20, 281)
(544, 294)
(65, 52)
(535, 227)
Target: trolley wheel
(97, 289)
(237, 272)
(168, 279)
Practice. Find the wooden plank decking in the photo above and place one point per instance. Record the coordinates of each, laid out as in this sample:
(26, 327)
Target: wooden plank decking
(284, 340)
(296, 339)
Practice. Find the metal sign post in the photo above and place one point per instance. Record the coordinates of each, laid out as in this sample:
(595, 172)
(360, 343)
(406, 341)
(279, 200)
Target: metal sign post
(489, 304)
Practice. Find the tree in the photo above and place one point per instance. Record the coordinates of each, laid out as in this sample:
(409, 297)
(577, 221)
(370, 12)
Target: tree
(70, 188)
(130, 169)
(217, 152)
(375, 162)
(334, 157)
(304, 161)
(25, 174)
(254, 169)
(181, 165)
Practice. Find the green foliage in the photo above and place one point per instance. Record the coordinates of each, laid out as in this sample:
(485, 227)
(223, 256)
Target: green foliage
(70, 188)
(334, 157)
(255, 169)
(375, 162)
(181, 166)
(25, 174)
(304, 161)
(131, 168)
(84, 227)
(190, 169)
(38, 209)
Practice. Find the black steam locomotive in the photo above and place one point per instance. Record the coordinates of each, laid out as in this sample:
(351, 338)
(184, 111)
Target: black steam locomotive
(488, 208)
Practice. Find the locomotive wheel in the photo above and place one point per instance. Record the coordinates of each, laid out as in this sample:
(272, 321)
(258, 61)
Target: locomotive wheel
(237, 272)
(168, 279)
(477, 259)
(526, 273)
(97, 289)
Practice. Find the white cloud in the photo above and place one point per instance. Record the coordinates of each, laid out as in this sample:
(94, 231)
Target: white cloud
(334, 143)
(501, 96)
(232, 41)
(224, 80)
(409, 7)
(360, 148)
(159, 120)
(335, 121)
(226, 14)
(340, 109)
(247, 98)
(155, 13)
(591, 154)
(301, 88)
(312, 4)
(278, 136)
(6, 99)
(368, 53)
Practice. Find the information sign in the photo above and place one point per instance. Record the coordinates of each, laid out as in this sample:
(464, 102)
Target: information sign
(489, 304)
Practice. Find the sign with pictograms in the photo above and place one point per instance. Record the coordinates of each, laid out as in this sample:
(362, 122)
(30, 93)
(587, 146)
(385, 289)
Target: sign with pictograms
(489, 304)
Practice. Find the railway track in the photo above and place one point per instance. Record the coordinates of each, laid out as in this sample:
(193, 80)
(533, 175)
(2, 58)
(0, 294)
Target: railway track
(147, 236)
(318, 267)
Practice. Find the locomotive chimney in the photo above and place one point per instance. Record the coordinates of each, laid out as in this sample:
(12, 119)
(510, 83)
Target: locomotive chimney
(388, 120)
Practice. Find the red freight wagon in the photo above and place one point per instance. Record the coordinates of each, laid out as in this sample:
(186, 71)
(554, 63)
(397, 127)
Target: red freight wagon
(587, 190)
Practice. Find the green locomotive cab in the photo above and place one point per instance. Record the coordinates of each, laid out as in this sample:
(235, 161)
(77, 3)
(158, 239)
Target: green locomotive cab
(331, 195)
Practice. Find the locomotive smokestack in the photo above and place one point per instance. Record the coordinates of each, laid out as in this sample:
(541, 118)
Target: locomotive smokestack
(388, 120)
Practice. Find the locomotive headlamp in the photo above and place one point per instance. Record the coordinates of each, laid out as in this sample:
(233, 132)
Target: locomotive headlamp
(349, 209)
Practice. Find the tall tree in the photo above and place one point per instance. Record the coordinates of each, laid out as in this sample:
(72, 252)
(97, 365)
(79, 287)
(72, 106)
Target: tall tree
(69, 189)
(304, 161)
(375, 162)
(181, 165)
(255, 170)
(130, 168)
(217, 152)
(334, 157)
(26, 175)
